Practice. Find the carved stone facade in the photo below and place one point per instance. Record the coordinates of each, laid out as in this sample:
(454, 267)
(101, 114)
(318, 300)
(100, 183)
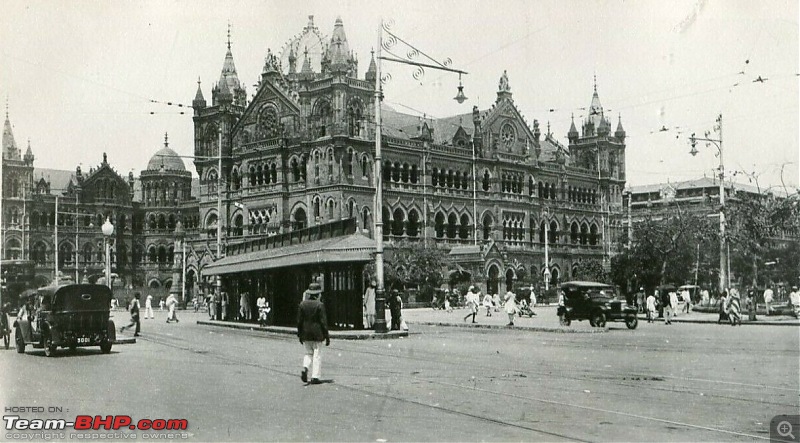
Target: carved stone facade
(301, 153)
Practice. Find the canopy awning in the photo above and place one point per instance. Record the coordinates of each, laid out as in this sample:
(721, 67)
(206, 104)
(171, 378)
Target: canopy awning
(346, 249)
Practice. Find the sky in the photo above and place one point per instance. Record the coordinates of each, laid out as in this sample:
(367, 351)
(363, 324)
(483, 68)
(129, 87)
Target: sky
(79, 77)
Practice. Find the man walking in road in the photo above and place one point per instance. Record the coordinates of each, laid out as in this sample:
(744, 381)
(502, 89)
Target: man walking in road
(134, 308)
(312, 329)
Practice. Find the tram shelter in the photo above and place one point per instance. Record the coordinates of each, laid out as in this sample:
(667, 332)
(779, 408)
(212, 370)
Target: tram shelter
(282, 266)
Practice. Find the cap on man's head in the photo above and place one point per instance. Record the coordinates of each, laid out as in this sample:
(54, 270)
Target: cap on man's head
(314, 289)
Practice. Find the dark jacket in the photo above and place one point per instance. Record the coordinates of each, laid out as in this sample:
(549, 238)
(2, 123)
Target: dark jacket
(312, 324)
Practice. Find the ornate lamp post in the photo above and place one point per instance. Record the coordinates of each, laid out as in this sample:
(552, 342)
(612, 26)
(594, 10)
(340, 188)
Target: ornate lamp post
(723, 274)
(380, 291)
(108, 231)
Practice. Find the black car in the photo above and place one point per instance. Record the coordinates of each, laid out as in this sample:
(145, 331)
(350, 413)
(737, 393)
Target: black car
(596, 302)
(68, 316)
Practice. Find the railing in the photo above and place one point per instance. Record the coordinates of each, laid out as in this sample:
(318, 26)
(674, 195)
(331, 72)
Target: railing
(319, 232)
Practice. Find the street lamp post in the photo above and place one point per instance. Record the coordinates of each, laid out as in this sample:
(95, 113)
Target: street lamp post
(380, 290)
(723, 272)
(108, 231)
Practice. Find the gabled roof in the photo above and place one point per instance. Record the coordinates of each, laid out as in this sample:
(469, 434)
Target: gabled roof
(406, 126)
(58, 178)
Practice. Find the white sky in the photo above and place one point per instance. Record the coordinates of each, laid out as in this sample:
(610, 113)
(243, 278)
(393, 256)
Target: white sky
(79, 75)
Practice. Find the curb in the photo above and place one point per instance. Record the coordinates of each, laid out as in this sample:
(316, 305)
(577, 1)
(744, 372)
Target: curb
(284, 330)
(745, 323)
(124, 341)
(511, 328)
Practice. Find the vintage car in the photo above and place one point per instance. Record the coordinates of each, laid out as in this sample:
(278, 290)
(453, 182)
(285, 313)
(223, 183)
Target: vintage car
(596, 302)
(67, 316)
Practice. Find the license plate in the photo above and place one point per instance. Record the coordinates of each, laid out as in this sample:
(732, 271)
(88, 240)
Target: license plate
(82, 340)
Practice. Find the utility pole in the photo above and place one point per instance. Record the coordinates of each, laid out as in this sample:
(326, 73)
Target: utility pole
(724, 270)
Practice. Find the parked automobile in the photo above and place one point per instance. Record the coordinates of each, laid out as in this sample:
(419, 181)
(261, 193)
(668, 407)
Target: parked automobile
(596, 302)
(65, 316)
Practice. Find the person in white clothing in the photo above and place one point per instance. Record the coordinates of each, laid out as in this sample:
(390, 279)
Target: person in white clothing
(651, 307)
(148, 306)
(510, 307)
(769, 297)
(172, 303)
(687, 300)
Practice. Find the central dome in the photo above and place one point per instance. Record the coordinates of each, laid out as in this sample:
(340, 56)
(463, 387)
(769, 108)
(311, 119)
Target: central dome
(167, 159)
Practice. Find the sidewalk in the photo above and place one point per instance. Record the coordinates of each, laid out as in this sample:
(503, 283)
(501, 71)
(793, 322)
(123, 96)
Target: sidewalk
(711, 318)
(287, 330)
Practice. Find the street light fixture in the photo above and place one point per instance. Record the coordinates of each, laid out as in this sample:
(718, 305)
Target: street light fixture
(108, 231)
(723, 274)
(380, 291)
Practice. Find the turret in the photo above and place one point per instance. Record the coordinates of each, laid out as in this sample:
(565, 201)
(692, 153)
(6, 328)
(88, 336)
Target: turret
(229, 89)
(28, 159)
(199, 101)
(572, 135)
(372, 70)
(620, 132)
(338, 56)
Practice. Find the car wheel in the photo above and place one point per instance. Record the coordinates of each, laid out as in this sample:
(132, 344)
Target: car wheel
(20, 341)
(598, 320)
(567, 322)
(49, 347)
(631, 322)
(105, 346)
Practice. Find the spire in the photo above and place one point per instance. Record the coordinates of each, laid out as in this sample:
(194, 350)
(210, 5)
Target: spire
(373, 69)
(339, 50)
(29, 154)
(229, 86)
(306, 62)
(199, 101)
(166, 140)
(620, 132)
(10, 150)
(573, 131)
(595, 112)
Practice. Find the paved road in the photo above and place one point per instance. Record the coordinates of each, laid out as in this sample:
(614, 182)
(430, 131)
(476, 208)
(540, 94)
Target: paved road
(687, 382)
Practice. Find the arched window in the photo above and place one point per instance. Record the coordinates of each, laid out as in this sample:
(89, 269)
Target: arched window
(87, 253)
(452, 226)
(574, 233)
(414, 174)
(435, 177)
(584, 234)
(273, 171)
(162, 222)
(300, 220)
(348, 167)
(354, 117)
(486, 178)
(39, 253)
(365, 166)
(464, 228)
(316, 207)
(487, 226)
(238, 225)
(553, 233)
(366, 220)
(593, 237)
(162, 255)
(295, 170)
(413, 223)
(330, 209)
(398, 222)
(404, 174)
(439, 225)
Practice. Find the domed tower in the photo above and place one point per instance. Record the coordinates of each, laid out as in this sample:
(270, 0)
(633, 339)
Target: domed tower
(166, 190)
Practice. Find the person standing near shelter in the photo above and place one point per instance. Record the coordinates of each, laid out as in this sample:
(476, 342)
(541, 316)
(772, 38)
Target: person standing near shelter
(670, 310)
(148, 306)
(734, 307)
(687, 300)
(312, 330)
(172, 304)
(134, 309)
(368, 303)
(395, 309)
(651, 307)
(769, 297)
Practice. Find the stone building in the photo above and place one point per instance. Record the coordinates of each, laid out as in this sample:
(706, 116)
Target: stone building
(53, 217)
(485, 184)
